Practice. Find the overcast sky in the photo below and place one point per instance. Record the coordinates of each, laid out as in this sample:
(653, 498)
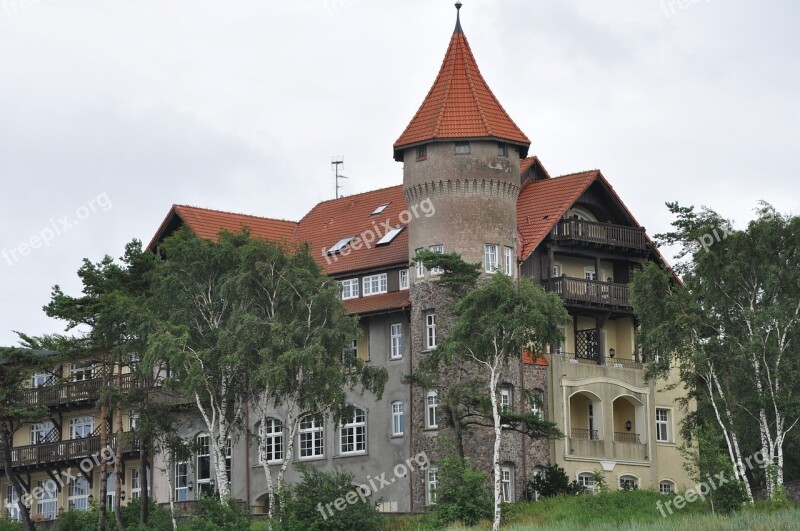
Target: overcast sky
(111, 111)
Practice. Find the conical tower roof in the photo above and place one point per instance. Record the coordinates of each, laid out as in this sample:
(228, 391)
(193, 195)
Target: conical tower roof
(460, 105)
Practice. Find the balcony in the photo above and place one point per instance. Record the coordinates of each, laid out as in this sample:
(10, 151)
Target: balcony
(590, 292)
(63, 452)
(627, 437)
(592, 233)
(579, 433)
(71, 393)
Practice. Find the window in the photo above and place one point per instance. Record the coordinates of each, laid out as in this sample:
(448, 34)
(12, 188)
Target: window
(350, 353)
(590, 419)
(502, 149)
(666, 487)
(508, 261)
(437, 249)
(462, 148)
(312, 437)
(380, 209)
(273, 432)
(628, 482)
(81, 374)
(589, 273)
(422, 152)
(420, 265)
(111, 489)
(133, 420)
(349, 288)
(46, 502)
(81, 427)
(353, 435)
(228, 457)
(538, 471)
(431, 484)
(12, 497)
(136, 483)
(203, 470)
(78, 494)
(662, 425)
(431, 402)
(398, 419)
(404, 279)
(537, 407)
(430, 331)
(397, 343)
(556, 270)
(389, 236)
(374, 284)
(586, 480)
(507, 483)
(41, 379)
(490, 257)
(40, 431)
(505, 399)
(341, 244)
(181, 481)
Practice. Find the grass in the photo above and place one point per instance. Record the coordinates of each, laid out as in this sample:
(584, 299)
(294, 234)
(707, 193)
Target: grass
(619, 511)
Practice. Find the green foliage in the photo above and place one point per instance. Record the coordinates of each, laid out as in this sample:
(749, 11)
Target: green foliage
(554, 481)
(304, 506)
(463, 494)
(219, 515)
(9, 525)
(600, 484)
(158, 519)
(458, 274)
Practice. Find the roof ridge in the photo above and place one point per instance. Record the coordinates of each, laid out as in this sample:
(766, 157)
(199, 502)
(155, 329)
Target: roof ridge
(447, 87)
(358, 194)
(176, 205)
(584, 172)
(471, 82)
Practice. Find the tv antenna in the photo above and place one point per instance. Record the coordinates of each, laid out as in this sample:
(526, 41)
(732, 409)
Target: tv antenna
(337, 161)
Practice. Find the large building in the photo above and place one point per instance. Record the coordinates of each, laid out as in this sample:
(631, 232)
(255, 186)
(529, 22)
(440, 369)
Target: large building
(469, 187)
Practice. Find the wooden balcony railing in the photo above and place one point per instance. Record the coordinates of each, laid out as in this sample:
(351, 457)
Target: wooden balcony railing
(627, 437)
(72, 450)
(71, 392)
(580, 433)
(600, 234)
(592, 292)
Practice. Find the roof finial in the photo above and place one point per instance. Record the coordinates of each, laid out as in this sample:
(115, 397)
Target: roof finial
(458, 17)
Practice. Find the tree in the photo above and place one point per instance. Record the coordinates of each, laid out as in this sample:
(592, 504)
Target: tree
(552, 482)
(296, 323)
(462, 495)
(733, 331)
(17, 365)
(495, 321)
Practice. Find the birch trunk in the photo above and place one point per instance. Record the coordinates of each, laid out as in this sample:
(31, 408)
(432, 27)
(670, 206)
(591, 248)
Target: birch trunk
(498, 433)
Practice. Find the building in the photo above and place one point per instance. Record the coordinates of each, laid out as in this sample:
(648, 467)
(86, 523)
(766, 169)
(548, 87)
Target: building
(470, 187)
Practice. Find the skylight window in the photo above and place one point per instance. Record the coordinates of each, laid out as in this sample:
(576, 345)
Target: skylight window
(341, 244)
(389, 236)
(379, 209)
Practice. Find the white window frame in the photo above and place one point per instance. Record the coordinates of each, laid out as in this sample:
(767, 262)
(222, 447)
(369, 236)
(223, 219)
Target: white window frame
(507, 483)
(133, 420)
(111, 489)
(461, 148)
(46, 503)
(273, 431)
(398, 419)
(506, 403)
(490, 257)
(12, 497)
(349, 288)
(353, 434)
(181, 481)
(78, 494)
(440, 250)
(81, 427)
(203, 452)
(40, 379)
(390, 235)
(431, 485)
(420, 265)
(589, 273)
(81, 373)
(663, 424)
(557, 269)
(311, 437)
(396, 341)
(375, 284)
(136, 483)
(586, 480)
(39, 430)
(430, 331)
(431, 409)
(669, 484)
(380, 209)
(350, 352)
(624, 478)
(341, 244)
(537, 408)
(508, 261)
(403, 278)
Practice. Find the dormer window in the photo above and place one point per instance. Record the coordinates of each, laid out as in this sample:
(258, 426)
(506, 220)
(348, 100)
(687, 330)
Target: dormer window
(389, 236)
(341, 244)
(462, 148)
(422, 152)
(502, 149)
(379, 209)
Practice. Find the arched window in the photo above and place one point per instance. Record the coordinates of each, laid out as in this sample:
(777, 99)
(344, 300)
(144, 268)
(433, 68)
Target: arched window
(537, 403)
(431, 402)
(586, 480)
(353, 435)
(666, 487)
(272, 434)
(628, 482)
(507, 482)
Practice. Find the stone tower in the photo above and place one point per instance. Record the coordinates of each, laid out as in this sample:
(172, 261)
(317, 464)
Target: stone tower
(461, 156)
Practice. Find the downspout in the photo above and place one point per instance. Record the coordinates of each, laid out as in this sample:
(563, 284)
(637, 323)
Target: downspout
(522, 435)
(410, 413)
(247, 451)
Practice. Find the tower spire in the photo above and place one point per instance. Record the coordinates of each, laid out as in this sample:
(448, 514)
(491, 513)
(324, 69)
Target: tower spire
(458, 17)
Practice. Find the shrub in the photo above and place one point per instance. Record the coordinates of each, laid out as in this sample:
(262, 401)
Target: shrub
(9, 525)
(304, 503)
(552, 482)
(158, 519)
(219, 515)
(463, 494)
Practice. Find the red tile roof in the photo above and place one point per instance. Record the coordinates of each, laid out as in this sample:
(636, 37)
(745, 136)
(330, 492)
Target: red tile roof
(396, 300)
(460, 105)
(542, 203)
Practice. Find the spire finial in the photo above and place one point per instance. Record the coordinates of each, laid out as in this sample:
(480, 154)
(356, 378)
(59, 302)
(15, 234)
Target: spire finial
(458, 17)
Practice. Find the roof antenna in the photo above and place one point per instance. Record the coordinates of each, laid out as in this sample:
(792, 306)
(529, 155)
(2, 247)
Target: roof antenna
(337, 161)
(458, 17)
